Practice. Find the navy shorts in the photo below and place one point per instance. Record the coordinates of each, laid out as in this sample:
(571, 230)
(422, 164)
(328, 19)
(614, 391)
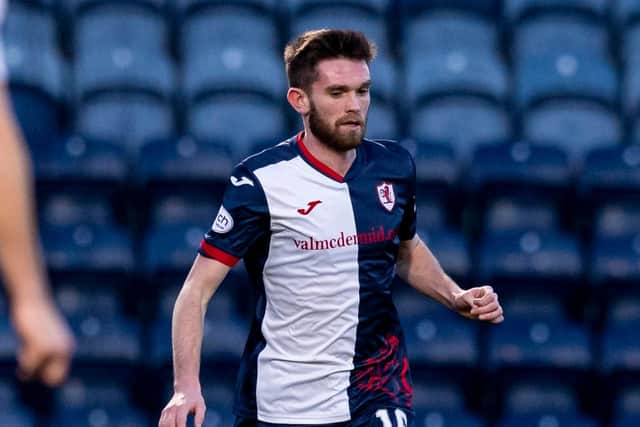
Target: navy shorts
(384, 417)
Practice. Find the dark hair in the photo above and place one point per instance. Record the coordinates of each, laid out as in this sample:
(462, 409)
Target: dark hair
(303, 54)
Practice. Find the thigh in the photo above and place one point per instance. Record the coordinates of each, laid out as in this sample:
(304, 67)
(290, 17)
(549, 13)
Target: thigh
(248, 422)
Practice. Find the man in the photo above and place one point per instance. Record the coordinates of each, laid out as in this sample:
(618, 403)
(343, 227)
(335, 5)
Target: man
(323, 221)
(46, 343)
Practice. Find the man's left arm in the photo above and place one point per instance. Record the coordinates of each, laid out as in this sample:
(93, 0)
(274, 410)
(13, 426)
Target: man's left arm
(419, 268)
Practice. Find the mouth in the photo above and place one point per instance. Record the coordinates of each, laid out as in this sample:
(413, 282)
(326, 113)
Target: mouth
(351, 123)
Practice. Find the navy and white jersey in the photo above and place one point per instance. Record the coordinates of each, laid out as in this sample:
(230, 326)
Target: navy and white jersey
(326, 343)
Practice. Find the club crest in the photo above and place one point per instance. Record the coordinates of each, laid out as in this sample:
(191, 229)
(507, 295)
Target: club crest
(386, 195)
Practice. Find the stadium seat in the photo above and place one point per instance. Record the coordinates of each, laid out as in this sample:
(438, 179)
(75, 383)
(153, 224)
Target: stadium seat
(451, 248)
(517, 10)
(631, 93)
(523, 306)
(115, 25)
(344, 15)
(40, 21)
(547, 261)
(63, 208)
(573, 125)
(123, 70)
(181, 209)
(385, 79)
(225, 331)
(614, 261)
(126, 119)
(382, 122)
(616, 219)
(464, 122)
(456, 72)
(233, 70)
(104, 334)
(550, 419)
(219, 400)
(77, 162)
(431, 214)
(381, 7)
(435, 418)
(183, 164)
(540, 397)
(611, 172)
(101, 401)
(171, 248)
(225, 117)
(542, 345)
(625, 12)
(438, 338)
(87, 248)
(620, 347)
(525, 213)
(566, 76)
(446, 31)
(485, 8)
(223, 25)
(516, 168)
(626, 407)
(559, 34)
(437, 166)
(16, 417)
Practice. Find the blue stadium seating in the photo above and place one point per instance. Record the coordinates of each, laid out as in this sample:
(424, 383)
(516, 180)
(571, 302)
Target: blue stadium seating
(126, 119)
(80, 162)
(512, 213)
(617, 219)
(382, 122)
(234, 70)
(517, 10)
(631, 94)
(447, 30)
(344, 15)
(559, 420)
(625, 12)
(540, 78)
(8, 340)
(96, 402)
(534, 344)
(626, 407)
(463, 122)
(611, 172)
(220, 26)
(171, 248)
(456, 72)
(613, 260)
(224, 118)
(547, 261)
(86, 248)
(519, 167)
(372, 6)
(523, 306)
(385, 79)
(67, 208)
(620, 348)
(176, 164)
(451, 248)
(104, 334)
(574, 125)
(181, 209)
(112, 25)
(431, 214)
(219, 400)
(16, 418)
(437, 167)
(485, 8)
(539, 398)
(557, 34)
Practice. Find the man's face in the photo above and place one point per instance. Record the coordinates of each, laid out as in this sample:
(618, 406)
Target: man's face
(339, 101)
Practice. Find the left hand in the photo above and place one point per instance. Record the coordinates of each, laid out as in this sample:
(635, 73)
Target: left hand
(480, 303)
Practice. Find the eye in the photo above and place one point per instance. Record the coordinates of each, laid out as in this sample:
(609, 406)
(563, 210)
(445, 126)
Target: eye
(335, 93)
(363, 91)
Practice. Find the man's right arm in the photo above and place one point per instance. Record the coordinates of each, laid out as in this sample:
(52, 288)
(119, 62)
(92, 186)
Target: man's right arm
(203, 280)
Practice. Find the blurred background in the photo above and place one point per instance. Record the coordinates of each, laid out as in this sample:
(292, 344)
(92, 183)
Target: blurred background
(523, 116)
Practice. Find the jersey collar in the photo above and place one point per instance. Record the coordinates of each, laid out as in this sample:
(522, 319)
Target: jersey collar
(321, 166)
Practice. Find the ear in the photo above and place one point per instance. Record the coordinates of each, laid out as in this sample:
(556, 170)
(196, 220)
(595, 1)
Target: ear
(299, 100)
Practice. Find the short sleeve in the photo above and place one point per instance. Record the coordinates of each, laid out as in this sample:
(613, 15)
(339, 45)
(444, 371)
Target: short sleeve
(242, 219)
(408, 225)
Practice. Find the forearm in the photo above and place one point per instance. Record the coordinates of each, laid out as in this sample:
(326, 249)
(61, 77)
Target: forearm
(419, 268)
(20, 254)
(187, 331)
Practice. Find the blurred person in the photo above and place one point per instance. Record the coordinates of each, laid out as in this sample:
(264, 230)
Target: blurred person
(46, 344)
(324, 221)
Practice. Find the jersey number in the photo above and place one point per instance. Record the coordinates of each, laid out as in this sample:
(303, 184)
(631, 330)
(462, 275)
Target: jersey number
(385, 417)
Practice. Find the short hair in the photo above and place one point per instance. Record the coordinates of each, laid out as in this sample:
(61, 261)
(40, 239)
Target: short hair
(305, 52)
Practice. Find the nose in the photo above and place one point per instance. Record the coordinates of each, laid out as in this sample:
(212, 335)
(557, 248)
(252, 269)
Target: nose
(353, 103)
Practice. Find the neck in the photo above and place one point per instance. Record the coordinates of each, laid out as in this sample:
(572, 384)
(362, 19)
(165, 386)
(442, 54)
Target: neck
(339, 161)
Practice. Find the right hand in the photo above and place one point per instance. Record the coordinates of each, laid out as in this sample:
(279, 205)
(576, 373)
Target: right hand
(180, 406)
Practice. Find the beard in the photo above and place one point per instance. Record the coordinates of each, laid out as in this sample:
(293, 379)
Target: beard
(332, 135)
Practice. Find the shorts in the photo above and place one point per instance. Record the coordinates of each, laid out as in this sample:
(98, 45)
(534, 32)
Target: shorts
(384, 417)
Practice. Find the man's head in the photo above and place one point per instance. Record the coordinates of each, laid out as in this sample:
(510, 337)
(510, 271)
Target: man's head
(328, 73)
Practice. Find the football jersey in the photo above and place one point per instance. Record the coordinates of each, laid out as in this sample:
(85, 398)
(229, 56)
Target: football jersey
(321, 250)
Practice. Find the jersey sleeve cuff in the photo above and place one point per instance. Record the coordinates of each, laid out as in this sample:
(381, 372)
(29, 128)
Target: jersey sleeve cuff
(211, 251)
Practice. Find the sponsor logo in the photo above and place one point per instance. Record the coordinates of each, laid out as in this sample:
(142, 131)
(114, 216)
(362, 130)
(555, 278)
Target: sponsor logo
(242, 181)
(223, 222)
(343, 240)
(309, 208)
(386, 195)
